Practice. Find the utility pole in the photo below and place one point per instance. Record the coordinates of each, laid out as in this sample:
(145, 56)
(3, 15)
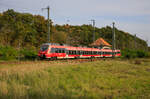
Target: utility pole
(113, 40)
(135, 41)
(48, 10)
(93, 21)
(19, 50)
(147, 45)
(68, 35)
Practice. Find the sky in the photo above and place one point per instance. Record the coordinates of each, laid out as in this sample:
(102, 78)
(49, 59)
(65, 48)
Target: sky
(131, 16)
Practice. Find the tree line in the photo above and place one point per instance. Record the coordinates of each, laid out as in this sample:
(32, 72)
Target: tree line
(27, 31)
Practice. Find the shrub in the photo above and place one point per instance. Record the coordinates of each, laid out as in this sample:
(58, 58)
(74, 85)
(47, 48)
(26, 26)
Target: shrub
(28, 54)
(8, 53)
(128, 53)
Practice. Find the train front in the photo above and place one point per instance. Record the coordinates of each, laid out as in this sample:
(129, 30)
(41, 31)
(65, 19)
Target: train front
(44, 51)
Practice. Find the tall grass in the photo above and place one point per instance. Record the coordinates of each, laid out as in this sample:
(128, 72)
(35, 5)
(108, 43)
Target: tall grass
(91, 80)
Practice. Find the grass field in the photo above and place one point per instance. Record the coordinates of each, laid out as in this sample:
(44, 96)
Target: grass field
(104, 79)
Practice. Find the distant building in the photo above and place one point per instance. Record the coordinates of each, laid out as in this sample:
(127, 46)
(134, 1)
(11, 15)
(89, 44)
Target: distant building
(100, 43)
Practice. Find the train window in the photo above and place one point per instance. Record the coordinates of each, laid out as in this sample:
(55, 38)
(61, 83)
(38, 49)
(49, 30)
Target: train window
(92, 52)
(83, 52)
(44, 47)
(66, 51)
(56, 50)
(59, 50)
(103, 53)
(78, 52)
(69, 52)
(99, 53)
(52, 50)
(74, 52)
(63, 50)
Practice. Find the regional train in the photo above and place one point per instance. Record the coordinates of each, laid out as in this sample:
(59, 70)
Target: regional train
(57, 51)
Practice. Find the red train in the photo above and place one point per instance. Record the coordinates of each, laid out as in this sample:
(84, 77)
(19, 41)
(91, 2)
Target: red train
(56, 51)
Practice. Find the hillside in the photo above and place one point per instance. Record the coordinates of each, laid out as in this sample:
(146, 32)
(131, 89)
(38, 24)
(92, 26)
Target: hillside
(29, 30)
(111, 79)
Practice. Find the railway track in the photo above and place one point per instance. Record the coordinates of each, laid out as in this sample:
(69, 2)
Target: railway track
(54, 61)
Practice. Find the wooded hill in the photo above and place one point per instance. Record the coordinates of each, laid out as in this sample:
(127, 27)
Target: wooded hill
(31, 31)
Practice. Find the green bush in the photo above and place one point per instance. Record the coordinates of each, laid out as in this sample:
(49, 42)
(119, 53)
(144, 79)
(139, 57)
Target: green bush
(28, 54)
(128, 53)
(8, 53)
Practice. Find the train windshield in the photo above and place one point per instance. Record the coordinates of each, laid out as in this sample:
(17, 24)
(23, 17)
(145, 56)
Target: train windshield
(44, 47)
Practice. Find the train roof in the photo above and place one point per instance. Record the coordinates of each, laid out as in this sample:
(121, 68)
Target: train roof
(68, 47)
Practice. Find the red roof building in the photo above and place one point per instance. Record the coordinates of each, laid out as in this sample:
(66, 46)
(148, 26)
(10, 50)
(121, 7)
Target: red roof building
(100, 43)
